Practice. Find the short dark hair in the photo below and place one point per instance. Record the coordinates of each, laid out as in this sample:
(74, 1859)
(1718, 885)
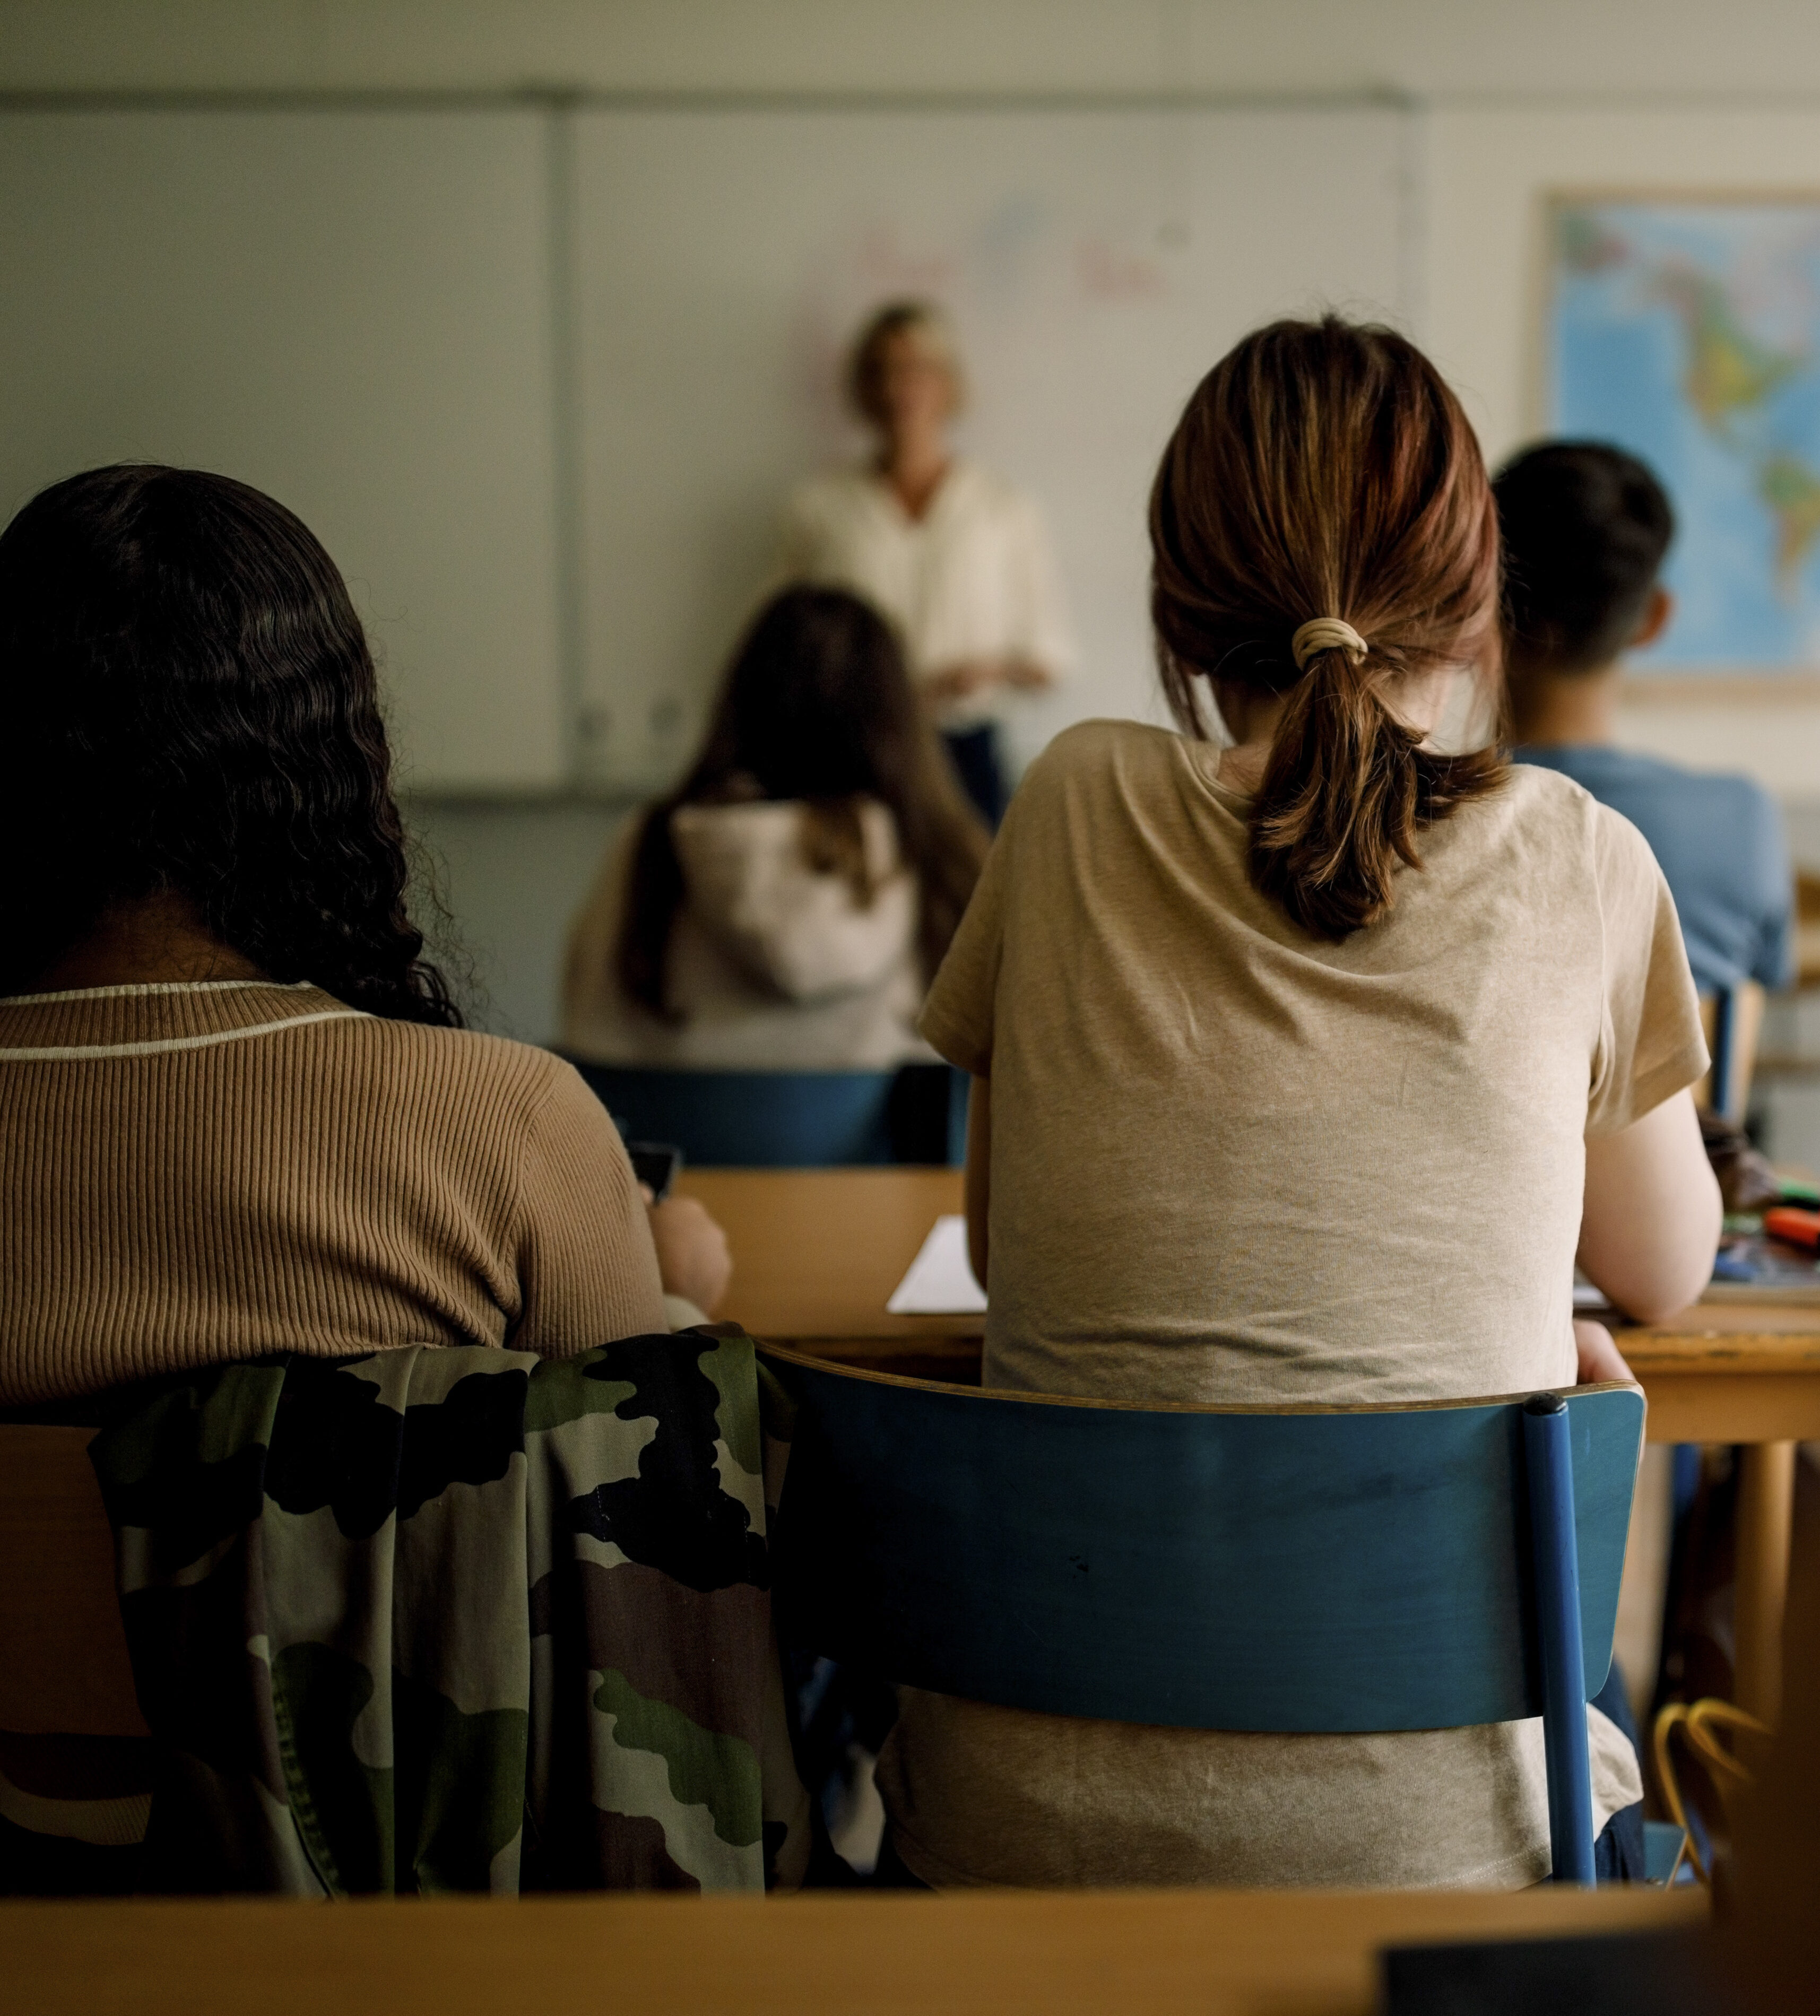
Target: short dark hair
(1585, 529)
(190, 707)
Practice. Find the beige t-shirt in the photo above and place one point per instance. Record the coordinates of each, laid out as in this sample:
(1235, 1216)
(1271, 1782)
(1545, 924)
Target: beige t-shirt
(1236, 1165)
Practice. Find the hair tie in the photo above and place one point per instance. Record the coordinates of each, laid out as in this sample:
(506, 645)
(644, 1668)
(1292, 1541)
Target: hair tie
(1326, 633)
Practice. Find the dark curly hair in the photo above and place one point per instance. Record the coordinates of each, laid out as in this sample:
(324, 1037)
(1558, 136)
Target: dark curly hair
(190, 707)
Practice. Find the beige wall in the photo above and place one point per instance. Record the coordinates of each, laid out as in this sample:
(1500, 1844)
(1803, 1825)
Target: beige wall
(1503, 102)
(1489, 169)
(1502, 99)
(348, 308)
(1605, 49)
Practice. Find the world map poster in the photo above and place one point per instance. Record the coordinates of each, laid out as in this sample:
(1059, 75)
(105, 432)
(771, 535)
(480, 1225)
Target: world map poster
(1688, 332)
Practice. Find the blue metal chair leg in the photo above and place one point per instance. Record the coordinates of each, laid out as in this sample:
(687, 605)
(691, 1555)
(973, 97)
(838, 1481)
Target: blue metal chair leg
(1548, 1456)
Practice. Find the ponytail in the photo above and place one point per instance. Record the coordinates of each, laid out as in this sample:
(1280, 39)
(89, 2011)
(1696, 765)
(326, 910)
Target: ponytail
(1321, 466)
(1347, 790)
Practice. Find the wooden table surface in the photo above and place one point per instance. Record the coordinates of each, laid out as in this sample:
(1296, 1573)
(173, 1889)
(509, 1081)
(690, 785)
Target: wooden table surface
(1150, 1954)
(817, 1252)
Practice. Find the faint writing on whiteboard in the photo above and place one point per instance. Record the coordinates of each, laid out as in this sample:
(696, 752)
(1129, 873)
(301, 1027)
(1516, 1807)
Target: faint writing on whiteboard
(886, 265)
(1011, 274)
(1109, 272)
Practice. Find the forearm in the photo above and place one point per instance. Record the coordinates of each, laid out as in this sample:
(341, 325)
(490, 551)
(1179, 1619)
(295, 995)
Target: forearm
(1649, 1225)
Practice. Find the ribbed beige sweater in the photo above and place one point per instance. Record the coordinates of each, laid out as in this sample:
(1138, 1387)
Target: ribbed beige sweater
(206, 1172)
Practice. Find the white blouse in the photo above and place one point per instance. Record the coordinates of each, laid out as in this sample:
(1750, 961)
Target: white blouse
(974, 577)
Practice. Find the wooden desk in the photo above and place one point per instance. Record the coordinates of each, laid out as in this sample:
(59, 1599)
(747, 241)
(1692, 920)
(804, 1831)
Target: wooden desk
(1747, 1372)
(817, 1253)
(1215, 1953)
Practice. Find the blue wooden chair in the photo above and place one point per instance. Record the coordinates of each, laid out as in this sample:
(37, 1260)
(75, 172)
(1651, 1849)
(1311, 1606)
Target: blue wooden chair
(1732, 1019)
(1355, 1569)
(789, 1120)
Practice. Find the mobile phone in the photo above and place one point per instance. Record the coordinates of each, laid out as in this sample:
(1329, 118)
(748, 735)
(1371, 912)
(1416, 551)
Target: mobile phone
(655, 1164)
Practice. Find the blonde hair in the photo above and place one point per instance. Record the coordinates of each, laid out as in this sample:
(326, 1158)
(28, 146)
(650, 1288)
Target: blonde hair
(866, 365)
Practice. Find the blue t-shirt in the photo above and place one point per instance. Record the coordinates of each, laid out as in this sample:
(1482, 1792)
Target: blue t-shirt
(1719, 842)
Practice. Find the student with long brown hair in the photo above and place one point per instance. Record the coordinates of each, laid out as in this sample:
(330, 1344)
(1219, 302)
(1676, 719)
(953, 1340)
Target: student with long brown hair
(1303, 1067)
(786, 906)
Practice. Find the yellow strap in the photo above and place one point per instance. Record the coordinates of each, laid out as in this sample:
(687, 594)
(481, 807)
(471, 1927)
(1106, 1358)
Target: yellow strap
(1701, 1723)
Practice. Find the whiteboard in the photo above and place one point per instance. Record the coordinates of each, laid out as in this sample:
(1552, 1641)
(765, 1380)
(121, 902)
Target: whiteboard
(1097, 263)
(349, 309)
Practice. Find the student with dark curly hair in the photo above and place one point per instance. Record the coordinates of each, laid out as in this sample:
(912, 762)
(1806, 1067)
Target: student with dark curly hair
(238, 1111)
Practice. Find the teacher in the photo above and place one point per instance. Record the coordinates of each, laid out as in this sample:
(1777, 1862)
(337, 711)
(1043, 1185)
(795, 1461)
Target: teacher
(958, 559)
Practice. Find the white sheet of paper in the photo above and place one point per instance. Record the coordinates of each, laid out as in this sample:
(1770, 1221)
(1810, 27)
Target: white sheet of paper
(940, 1281)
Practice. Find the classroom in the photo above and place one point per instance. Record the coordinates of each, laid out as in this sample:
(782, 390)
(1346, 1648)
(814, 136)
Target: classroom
(910, 1006)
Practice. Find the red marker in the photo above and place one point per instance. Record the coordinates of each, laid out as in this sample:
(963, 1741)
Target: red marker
(1789, 1222)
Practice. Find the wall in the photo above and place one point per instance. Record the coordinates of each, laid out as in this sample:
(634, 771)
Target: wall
(1095, 260)
(499, 881)
(1501, 102)
(1488, 168)
(348, 307)
(1614, 51)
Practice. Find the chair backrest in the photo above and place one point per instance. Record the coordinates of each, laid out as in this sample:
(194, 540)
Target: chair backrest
(1733, 1021)
(769, 1120)
(1361, 1569)
(64, 1664)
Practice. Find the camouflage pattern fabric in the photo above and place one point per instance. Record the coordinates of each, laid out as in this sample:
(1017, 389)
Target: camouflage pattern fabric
(73, 1814)
(457, 1620)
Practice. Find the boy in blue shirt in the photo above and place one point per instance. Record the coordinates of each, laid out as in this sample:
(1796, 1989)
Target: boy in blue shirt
(1585, 529)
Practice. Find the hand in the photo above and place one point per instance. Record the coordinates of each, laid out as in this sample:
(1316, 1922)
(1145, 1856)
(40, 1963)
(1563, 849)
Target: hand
(964, 676)
(1599, 1357)
(693, 1259)
(1027, 675)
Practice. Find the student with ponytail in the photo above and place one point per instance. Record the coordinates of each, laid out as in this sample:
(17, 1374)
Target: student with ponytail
(1305, 1063)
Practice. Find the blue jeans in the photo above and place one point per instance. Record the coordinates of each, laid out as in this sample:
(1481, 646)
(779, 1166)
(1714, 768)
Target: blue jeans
(1617, 1855)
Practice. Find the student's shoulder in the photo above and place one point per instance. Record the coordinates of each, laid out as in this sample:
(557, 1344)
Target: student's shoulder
(1558, 816)
(1723, 815)
(1625, 775)
(1093, 755)
(1541, 795)
(1091, 747)
(1739, 801)
(1538, 791)
(485, 1078)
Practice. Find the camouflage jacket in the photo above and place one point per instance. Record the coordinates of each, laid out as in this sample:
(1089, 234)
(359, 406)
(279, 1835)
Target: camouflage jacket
(442, 1620)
